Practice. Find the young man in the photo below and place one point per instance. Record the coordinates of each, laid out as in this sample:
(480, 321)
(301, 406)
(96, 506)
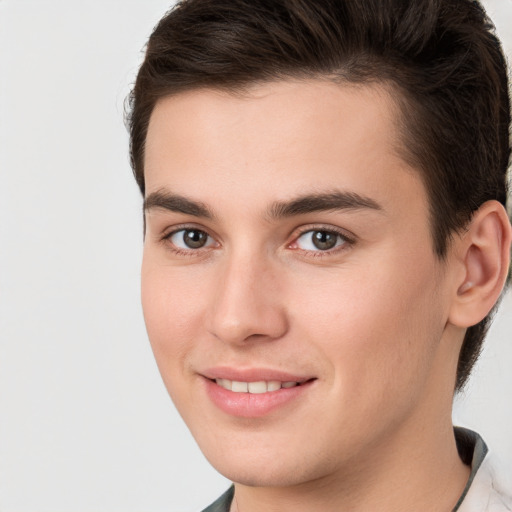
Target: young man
(324, 191)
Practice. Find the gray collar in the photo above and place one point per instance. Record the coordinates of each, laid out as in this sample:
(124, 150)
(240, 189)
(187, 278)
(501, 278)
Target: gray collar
(472, 450)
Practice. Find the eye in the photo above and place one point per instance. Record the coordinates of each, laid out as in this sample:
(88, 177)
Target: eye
(320, 240)
(190, 239)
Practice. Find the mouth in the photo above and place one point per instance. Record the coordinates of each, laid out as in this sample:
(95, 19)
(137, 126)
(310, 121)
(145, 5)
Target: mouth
(254, 394)
(257, 387)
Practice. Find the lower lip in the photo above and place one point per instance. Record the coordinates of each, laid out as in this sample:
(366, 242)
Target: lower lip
(253, 405)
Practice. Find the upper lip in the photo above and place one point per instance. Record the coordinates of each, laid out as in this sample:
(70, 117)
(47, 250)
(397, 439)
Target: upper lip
(252, 374)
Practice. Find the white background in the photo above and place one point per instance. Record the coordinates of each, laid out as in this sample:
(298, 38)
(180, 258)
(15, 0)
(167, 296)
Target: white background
(85, 423)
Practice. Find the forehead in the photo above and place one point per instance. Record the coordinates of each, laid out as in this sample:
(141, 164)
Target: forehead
(279, 139)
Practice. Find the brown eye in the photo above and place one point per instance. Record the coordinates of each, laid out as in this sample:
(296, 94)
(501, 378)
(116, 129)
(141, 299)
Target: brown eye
(320, 240)
(324, 240)
(190, 239)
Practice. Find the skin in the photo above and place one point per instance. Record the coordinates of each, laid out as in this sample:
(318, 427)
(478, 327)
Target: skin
(372, 319)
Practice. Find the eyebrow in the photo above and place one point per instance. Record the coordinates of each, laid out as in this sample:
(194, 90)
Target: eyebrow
(302, 205)
(332, 201)
(176, 203)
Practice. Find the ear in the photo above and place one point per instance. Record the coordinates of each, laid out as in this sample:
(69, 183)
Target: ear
(483, 253)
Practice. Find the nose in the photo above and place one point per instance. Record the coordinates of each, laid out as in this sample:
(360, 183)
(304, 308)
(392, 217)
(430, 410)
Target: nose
(247, 303)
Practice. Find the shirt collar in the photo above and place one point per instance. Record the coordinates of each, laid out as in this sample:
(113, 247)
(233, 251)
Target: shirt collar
(472, 450)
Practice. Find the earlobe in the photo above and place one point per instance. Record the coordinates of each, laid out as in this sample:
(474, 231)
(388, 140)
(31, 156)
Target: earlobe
(485, 255)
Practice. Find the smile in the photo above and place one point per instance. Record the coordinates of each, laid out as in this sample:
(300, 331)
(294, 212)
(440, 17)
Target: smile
(254, 387)
(250, 394)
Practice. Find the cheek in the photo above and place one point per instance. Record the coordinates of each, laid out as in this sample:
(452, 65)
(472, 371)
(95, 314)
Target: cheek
(171, 306)
(376, 326)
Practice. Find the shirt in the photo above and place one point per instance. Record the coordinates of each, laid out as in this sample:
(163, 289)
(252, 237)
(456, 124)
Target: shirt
(481, 494)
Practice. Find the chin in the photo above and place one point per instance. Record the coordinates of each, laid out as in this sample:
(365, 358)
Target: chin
(260, 477)
(277, 470)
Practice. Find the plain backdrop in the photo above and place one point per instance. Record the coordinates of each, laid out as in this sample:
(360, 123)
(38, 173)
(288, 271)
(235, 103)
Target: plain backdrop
(85, 422)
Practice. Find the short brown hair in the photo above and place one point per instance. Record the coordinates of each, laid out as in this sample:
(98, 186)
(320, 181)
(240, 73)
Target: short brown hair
(441, 56)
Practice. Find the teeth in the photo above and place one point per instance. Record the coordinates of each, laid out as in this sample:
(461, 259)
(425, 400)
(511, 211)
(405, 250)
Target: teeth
(257, 387)
(273, 385)
(224, 383)
(239, 387)
(254, 387)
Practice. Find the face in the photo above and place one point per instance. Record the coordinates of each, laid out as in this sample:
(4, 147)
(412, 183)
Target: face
(291, 295)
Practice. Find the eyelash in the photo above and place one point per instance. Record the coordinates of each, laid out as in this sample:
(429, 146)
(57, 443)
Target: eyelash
(347, 241)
